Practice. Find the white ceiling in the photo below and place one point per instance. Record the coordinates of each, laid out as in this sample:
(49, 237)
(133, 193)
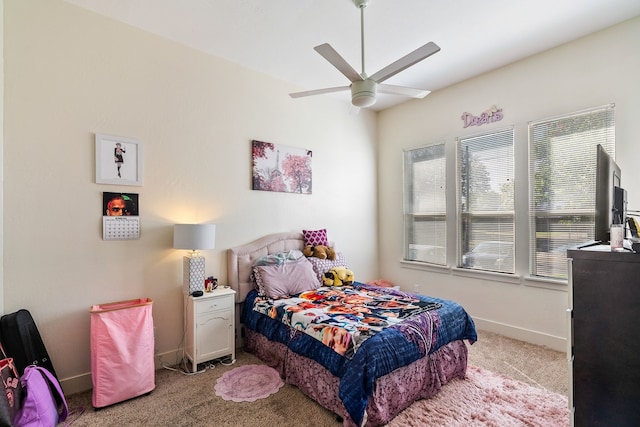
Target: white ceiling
(276, 37)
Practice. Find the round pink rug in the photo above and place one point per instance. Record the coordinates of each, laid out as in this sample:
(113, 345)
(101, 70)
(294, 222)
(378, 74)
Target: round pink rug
(248, 383)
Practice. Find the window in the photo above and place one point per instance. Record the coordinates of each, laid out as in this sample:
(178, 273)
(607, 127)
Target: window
(562, 184)
(425, 204)
(486, 201)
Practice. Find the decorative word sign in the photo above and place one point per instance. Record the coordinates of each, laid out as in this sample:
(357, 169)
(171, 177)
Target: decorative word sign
(493, 114)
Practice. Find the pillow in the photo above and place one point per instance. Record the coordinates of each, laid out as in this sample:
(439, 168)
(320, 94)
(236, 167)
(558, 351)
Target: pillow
(279, 258)
(281, 280)
(273, 259)
(315, 237)
(321, 266)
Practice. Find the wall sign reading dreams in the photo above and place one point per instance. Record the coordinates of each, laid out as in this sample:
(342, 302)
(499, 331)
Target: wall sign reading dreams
(493, 114)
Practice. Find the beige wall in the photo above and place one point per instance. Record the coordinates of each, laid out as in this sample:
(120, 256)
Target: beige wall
(595, 70)
(70, 74)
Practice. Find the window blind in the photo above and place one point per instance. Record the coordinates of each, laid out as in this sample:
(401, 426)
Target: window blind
(425, 204)
(486, 201)
(562, 155)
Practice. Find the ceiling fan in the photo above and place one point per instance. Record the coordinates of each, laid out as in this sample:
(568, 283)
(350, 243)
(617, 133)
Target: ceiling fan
(363, 87)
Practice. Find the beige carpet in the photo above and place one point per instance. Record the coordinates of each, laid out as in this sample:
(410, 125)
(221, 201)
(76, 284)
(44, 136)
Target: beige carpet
(190, 400)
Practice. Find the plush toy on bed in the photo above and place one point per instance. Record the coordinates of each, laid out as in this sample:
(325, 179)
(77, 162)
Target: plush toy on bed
(319, 251)
(338, 276)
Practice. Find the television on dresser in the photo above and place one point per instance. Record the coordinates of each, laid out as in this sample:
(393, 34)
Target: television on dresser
(610, 197)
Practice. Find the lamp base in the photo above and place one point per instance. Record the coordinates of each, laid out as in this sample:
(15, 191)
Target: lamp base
(192, 274)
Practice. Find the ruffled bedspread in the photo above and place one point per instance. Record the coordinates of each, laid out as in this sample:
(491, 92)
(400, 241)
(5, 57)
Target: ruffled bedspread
(381, 353)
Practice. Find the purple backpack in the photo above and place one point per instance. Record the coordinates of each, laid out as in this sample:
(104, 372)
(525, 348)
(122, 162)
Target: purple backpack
(43, 402)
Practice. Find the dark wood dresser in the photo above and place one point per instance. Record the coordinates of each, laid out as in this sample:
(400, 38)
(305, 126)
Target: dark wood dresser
(604, 337)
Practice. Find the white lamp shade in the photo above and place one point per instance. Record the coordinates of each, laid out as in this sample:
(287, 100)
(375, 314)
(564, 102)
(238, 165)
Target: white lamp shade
(194, 236)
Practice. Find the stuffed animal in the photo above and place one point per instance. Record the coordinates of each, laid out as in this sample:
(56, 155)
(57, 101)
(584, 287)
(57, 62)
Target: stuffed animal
(338, 276)
(319, 251)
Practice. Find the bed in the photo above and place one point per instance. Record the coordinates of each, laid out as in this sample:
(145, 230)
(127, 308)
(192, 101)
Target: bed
(382, 372)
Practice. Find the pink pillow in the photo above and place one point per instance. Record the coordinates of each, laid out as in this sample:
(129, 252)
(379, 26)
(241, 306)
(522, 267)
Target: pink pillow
(315, 237)
(278, 281)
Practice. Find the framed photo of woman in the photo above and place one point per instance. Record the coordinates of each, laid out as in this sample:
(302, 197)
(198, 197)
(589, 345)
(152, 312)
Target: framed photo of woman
(118, 160)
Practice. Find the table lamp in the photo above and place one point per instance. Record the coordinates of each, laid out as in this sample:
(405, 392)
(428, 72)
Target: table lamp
(194, 237)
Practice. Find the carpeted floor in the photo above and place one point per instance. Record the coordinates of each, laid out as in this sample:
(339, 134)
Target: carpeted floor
(529, 363)
(190, 400)
(490, 399)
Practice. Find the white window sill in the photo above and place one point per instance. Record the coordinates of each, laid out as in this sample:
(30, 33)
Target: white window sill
(418, 265)
(533, 281)
(481, 274)
(546, 283)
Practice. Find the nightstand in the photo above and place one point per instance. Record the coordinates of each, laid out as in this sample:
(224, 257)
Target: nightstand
(210, 326)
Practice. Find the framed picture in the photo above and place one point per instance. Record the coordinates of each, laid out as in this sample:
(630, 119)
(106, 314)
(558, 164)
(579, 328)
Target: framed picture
(281, 168)
(118, 160)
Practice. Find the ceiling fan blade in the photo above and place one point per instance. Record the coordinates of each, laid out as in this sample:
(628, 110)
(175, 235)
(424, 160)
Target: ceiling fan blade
(405, 62)
(318, 91)
(338, 61)
(404, 91)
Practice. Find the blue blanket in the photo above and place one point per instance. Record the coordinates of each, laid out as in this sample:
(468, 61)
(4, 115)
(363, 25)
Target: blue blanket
(396, 346)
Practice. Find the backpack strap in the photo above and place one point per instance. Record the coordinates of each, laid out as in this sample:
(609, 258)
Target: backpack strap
(59, 395)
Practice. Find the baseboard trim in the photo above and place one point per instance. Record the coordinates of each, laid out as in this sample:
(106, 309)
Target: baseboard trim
(534, 337)
(83, 382)
(76, 384)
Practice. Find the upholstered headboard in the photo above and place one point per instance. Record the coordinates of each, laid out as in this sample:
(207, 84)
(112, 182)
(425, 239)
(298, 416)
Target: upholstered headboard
(240, 258)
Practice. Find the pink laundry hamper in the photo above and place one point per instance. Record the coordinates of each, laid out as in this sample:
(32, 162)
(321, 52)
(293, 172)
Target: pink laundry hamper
(122, 347)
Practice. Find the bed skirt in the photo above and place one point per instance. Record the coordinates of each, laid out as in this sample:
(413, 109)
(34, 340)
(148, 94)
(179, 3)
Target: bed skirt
(392, 393)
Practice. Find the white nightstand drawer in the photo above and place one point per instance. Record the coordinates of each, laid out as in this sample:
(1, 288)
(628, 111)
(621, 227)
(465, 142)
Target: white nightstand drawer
(213, 304)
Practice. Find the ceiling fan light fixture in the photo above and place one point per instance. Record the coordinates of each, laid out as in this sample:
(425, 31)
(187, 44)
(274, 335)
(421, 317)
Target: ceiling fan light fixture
(363, 100)
(364, 88)
(363, 93)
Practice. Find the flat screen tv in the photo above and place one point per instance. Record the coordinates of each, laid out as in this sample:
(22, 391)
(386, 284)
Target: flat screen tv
(608, 176)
